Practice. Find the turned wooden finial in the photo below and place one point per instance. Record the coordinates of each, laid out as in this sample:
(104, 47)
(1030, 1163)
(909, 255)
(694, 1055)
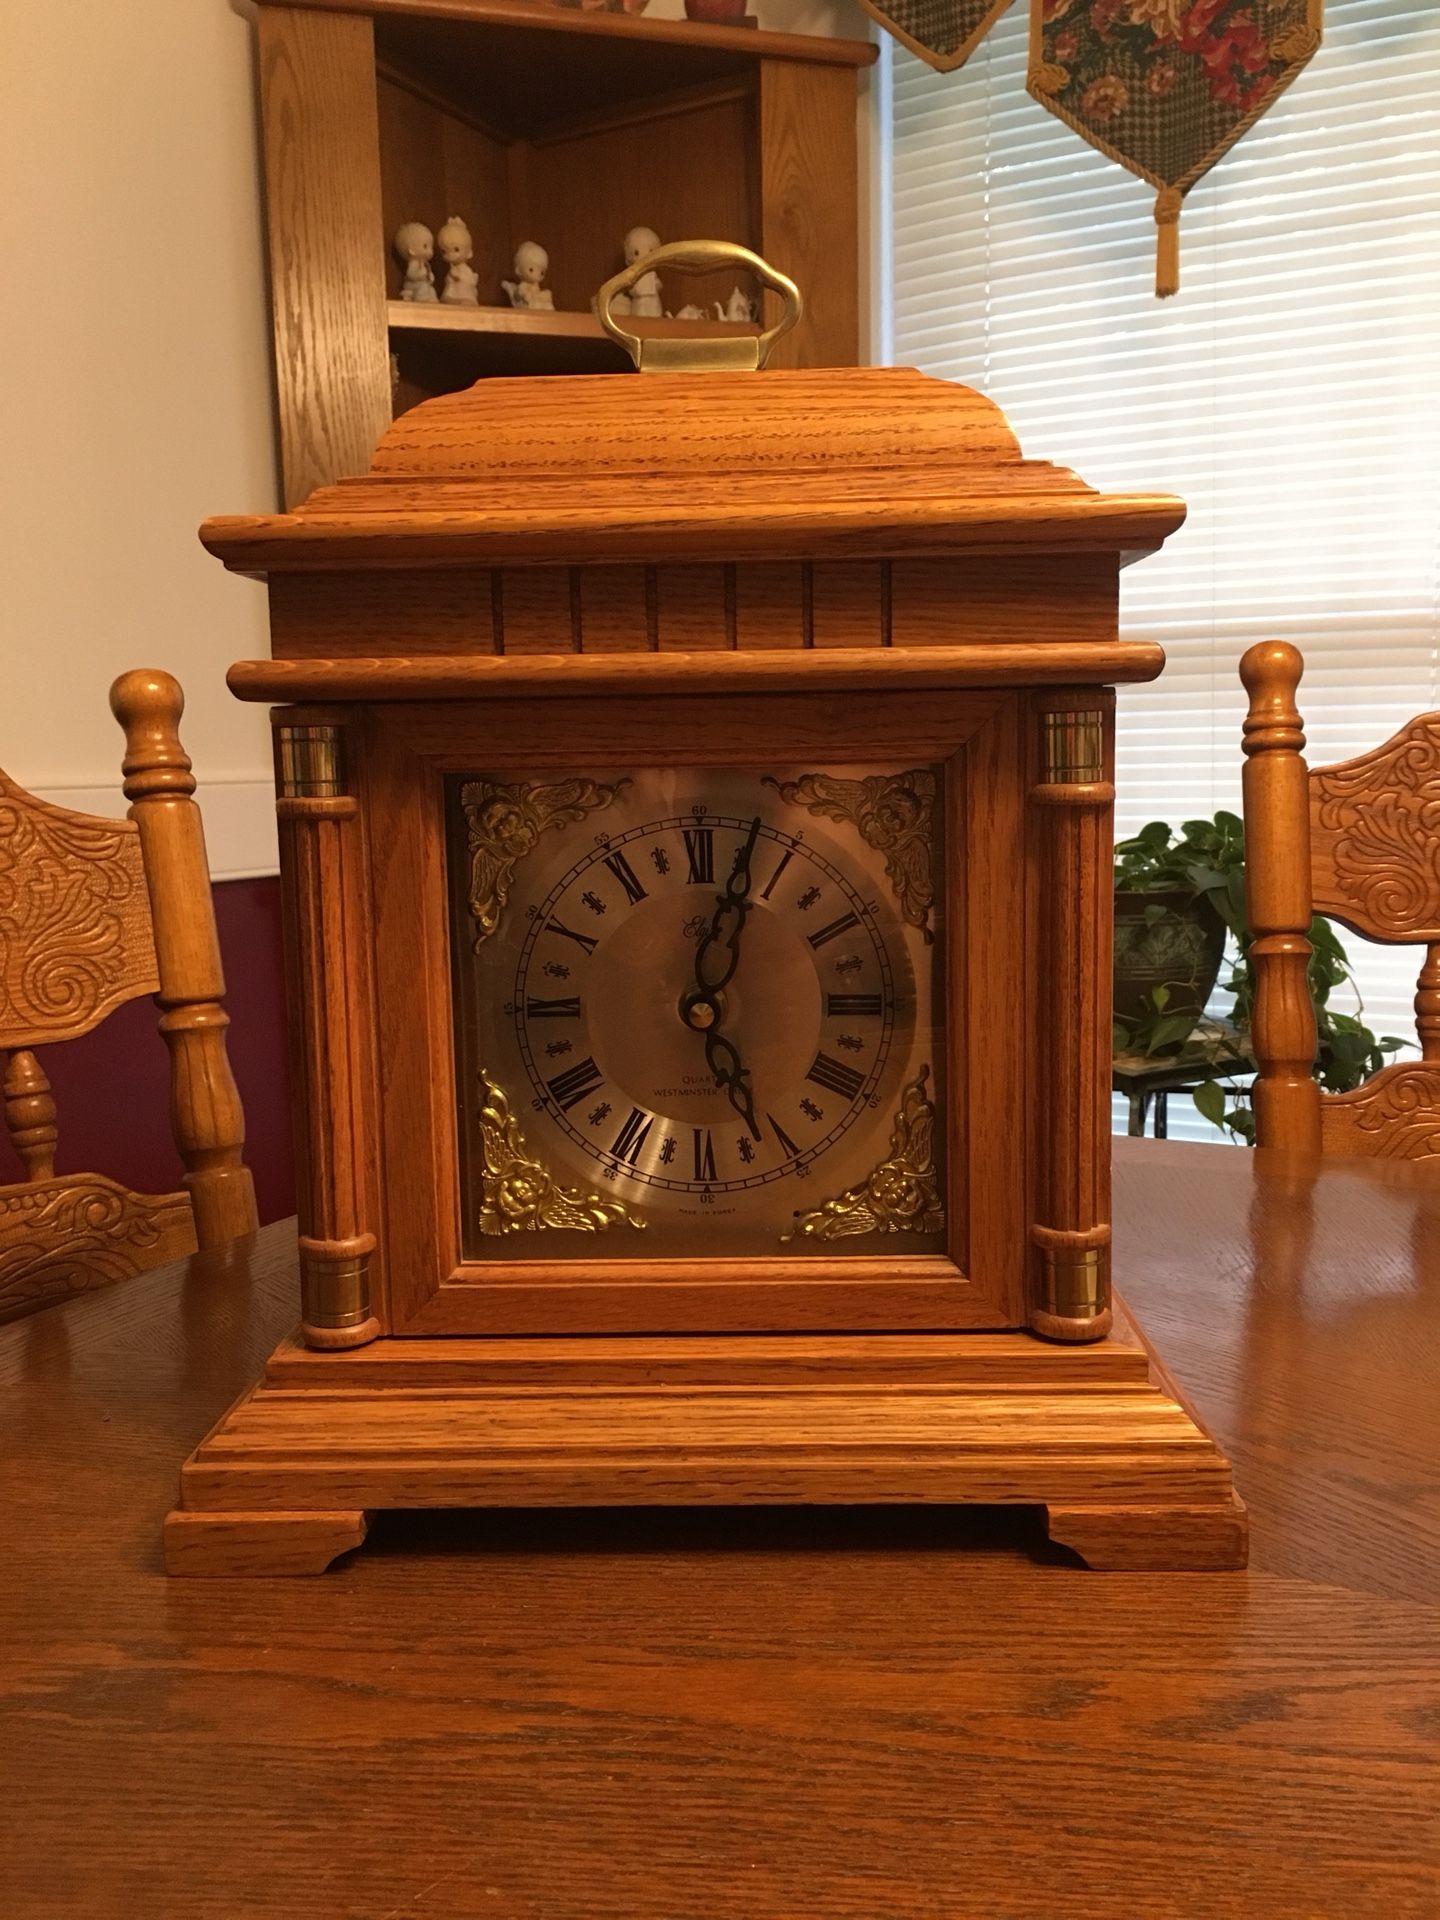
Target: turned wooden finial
(1270, 672)
(148, 704)
(30, 1114)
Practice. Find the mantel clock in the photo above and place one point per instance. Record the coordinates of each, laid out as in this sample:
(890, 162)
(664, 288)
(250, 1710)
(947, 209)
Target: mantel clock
(695, 809)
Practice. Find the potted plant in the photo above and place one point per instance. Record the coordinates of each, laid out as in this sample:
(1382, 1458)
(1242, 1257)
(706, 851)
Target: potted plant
(1174, 901)
(1171, 895)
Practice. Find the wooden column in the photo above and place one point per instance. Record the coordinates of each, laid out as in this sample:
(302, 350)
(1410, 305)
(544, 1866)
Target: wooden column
(325, 227)
(1074, 796)
(205, 1112)
(326, 972)
(1278, 900)
(808, 192)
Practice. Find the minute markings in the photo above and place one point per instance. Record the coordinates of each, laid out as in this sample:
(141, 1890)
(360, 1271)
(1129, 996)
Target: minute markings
(563, 1009)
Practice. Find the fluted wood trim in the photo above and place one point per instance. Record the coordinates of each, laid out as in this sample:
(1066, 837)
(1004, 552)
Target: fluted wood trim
(326, 967)
(1071, 824)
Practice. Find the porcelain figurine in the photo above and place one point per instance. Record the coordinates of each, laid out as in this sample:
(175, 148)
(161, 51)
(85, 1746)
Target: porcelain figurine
(689, 312)
(643, 299)
(457, 249)
(532, 263)
(738, 307)
(415, 245)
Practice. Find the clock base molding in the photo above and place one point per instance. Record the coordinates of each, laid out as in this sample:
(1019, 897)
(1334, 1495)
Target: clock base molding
(1095, 1435)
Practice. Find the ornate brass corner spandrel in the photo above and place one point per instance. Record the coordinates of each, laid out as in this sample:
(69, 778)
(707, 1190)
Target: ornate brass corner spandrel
(902, 1194)
(518, 1192)
(505, 820)
(1072, 748)
(310, 763)
(892, 812)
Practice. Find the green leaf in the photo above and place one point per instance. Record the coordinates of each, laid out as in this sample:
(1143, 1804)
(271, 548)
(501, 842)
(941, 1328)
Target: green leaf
(1154, 833)
(1160, 998)
(1209, 1097)
(1242, 1121)
(1155, 913)
(1166, 1033)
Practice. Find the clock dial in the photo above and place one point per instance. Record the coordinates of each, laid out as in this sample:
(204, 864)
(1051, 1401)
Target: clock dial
(700, 997)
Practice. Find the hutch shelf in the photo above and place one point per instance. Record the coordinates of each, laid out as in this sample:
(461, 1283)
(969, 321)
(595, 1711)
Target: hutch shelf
(530, 123)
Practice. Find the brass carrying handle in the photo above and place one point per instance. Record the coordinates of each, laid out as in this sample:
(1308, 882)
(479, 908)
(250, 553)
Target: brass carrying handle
(715, 353)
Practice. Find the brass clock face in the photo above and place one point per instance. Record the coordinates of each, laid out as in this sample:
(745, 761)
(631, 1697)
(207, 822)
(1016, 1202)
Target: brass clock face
(698, 1004)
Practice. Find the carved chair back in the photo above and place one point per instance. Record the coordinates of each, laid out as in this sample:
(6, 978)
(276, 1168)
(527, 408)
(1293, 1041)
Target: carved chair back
(1359, 843)
(95, 912)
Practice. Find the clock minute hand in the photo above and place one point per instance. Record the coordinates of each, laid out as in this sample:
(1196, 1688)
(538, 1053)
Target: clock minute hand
(732, 1077)
(734, 901)
(721, 1055)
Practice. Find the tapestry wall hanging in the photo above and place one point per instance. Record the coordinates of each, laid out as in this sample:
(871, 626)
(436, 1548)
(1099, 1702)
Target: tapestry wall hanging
(1163, 86)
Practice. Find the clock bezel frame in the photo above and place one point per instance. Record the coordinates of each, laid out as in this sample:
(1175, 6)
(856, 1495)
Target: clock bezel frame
(429, 1288)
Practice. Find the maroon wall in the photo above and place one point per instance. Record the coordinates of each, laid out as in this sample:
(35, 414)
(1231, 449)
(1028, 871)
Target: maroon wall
(112, 1088)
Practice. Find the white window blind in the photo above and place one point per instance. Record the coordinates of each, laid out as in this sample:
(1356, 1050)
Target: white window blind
(1290, 394)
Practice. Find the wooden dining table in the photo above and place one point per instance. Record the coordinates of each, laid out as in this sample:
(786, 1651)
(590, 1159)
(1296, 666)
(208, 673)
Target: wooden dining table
(863, 1712)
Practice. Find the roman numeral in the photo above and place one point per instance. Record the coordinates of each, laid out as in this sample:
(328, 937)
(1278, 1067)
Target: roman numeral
(700, 852)
(789, 856)
(568, 933)
(574, 1083)
(704, 1155)
(835, 1076)
(633, 1135)
(780, 1134)
(625, 874)
(837, 1004)
(553, 1009)
(834, 930)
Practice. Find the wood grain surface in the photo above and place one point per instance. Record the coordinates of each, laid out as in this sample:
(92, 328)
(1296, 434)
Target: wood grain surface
(875, 1715)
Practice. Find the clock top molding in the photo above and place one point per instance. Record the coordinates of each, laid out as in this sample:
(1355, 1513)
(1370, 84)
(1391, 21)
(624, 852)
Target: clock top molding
(848, 464)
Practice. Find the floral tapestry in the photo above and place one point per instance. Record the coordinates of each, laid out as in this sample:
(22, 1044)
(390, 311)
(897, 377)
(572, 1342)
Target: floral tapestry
(1163, 86)
(943, 32)
(1167, 86)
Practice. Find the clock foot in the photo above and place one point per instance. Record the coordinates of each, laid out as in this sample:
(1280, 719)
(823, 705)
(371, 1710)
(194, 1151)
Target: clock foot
(258, 1543)
(1136, 1539)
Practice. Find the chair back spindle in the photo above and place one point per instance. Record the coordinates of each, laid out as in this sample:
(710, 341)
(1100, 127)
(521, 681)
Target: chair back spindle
(1278, 903)
(206, 1116)
(30, 1114)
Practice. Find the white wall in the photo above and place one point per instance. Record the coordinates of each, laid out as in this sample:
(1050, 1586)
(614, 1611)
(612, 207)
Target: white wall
(136, 389)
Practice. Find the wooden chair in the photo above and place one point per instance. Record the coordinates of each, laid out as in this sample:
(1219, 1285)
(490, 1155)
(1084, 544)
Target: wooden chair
(93, 913)
(1360, 843)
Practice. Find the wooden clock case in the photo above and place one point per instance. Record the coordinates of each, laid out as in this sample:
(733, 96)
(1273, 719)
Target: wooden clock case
(710, 569)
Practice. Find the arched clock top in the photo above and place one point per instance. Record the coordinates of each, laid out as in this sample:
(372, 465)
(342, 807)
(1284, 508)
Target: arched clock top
(846, 463)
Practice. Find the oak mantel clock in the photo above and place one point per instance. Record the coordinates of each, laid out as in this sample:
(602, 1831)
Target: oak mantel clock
(695, 808)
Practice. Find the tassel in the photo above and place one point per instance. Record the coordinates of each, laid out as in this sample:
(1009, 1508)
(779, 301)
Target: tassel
(1167, 242)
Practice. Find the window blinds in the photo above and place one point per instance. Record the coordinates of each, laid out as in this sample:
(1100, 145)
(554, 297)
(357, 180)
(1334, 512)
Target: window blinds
(1290, 394)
